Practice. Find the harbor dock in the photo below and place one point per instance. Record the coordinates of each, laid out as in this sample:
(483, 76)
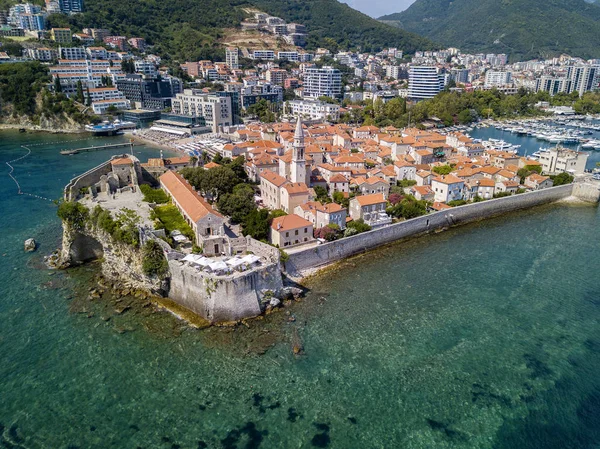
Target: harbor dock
(96, 148)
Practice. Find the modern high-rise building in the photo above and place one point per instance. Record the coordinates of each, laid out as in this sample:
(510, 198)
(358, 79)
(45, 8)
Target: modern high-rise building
(425, 82)
(495, 78)
(550, 84)
(147, 92)
(583, 78)
(460, 75)
(232, 57)
(216, 109)
(70, 6)
(322, 82)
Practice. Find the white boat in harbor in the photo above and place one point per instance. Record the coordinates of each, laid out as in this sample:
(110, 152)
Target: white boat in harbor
(500, 145)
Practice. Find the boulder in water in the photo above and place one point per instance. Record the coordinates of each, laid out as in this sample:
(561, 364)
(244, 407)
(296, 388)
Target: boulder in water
(30, 245)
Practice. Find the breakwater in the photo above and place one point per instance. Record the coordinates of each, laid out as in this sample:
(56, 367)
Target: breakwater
(303, 262)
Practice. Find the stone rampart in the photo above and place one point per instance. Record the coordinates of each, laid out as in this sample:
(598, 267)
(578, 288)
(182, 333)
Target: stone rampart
(302, 261)
(86, 179)
(587, 191)
(222, 298)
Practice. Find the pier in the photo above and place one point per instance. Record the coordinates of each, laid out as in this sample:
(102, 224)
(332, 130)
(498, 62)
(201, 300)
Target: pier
(95, 148)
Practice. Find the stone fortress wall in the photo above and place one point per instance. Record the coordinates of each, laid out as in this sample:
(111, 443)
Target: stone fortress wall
(86, 179)
(302, 262)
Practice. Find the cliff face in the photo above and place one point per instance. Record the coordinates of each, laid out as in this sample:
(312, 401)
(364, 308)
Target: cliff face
(235, 297)
(121, 263)
(53, 124)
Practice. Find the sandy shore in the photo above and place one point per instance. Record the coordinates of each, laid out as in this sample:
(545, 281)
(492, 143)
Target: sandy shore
(152, 143)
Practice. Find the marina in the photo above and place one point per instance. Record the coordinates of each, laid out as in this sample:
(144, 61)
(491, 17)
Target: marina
(530, 146)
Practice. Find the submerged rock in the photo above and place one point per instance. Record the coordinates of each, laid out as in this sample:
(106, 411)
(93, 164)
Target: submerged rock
(291, 292)
(30, 245)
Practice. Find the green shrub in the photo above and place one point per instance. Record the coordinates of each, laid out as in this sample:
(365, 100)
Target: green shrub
(406, 183)
(442, 169)
(284, 257)
(561, 179)
(154, 262)
(156, 196)
(172, 220)
(73, 213)
(358, 226)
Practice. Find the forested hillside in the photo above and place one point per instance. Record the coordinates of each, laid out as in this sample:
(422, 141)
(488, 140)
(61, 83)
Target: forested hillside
(521, 28)
(190, 29)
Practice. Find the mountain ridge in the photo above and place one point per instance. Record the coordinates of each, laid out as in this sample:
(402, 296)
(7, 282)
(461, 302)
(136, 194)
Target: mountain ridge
(191, 29)
(522, 28)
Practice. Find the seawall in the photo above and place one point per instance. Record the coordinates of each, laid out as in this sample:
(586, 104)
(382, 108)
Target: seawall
(303, 262)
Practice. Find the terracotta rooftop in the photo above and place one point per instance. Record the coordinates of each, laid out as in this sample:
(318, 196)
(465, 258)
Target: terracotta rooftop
(368, 200)
(121, 161)
(193, 205)
(296, 188)
(289, 222)
(273, 178)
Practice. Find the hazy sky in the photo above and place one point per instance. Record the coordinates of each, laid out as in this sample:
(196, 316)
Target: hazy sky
(377, 8)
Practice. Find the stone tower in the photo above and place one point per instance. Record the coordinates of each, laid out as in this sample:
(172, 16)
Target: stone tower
(298, 168)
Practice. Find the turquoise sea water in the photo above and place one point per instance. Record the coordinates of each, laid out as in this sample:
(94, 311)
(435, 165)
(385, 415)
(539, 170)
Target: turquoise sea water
(485, 336)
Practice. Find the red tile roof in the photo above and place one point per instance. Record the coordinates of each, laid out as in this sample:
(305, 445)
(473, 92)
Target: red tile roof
(194, 206)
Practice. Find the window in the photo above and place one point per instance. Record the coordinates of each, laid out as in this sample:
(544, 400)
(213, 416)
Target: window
(296, 232)
(287, 234)
(305, 230)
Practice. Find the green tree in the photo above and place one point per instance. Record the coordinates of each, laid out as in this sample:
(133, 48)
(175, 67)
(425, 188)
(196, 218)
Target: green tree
(73, 213)
(154, 263)
(79, 95)
(256, 224)
(562, 178)
(239, 203)
(88, 101)
(57, 85)
(442, 169)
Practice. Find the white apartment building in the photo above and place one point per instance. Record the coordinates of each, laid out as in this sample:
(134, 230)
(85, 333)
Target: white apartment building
(314, 110)
(267, 55)
(97, 53)
(42, 54)
(72, 52)
(215, 109)
(424, 82)
(232, 57)
(322, 82)
(495, 78)
(393, 71)
(559, 160)
(145, 68)
(447, 188)
(288, 56)
(105, 93)
(276, 76)
(100, 107)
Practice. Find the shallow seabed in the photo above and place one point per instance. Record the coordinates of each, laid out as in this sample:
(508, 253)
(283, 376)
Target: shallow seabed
(485, 336)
